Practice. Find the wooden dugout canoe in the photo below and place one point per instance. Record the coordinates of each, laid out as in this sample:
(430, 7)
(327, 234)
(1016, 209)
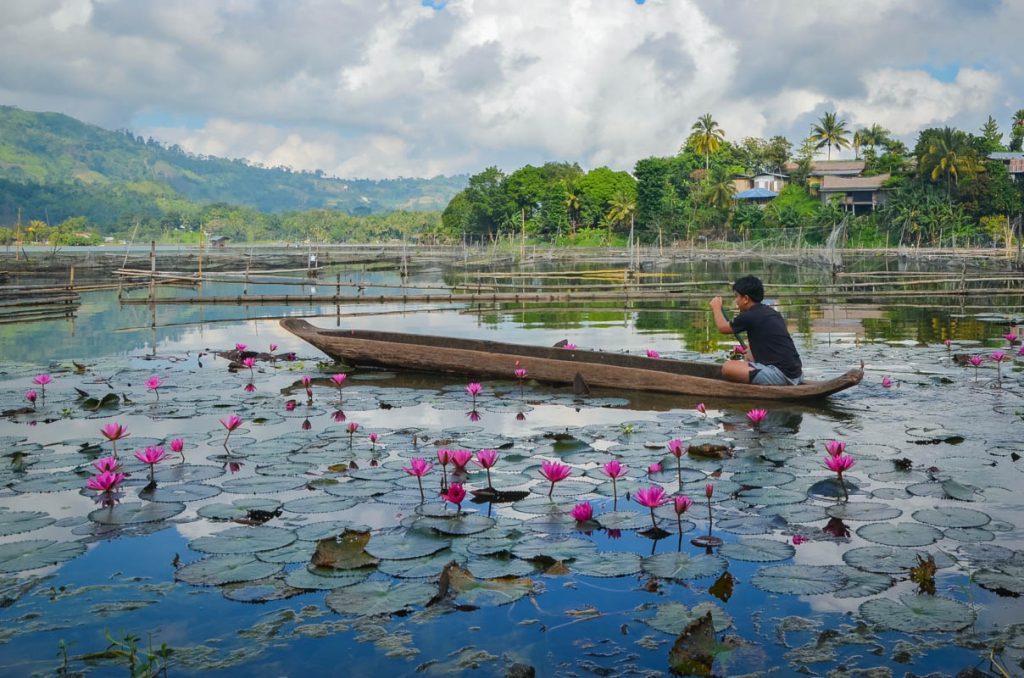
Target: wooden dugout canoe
(554, 365)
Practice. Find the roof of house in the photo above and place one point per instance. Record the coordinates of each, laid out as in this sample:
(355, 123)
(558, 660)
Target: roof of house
(825, 167)
(1006, 155)
(218, 238)
(771, 174)
(754, 193)
(831, 183)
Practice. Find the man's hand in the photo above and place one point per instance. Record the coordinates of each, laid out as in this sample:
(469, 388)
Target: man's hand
(720, 322)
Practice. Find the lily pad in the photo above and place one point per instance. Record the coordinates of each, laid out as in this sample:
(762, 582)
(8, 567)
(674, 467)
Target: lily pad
(889, 560)
(467, 523)
(217, 570)
(684, 566)
(952, 517)
(180, 493)
(417, 568)
(1002, 576)
(324, 579)
(553, 549)
(30, 554)
(751, 524)
(771, 496)
(673, 617)
(130, 513)
(243, 540)
(260, 590)
(238, 509)
(900, 534)
(262, 484)
(863, 510)
(379, 598)
(16, 522)
(470, 590)
(401, 546)
(607, 564)
(914, 613)
(801, 580)
(757, 550)
(318, 504)
(860, 583)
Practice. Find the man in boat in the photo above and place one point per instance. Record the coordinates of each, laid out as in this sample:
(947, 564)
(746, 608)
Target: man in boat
(772, 358)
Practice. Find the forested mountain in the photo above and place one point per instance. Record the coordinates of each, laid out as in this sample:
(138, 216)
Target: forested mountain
(55, 167)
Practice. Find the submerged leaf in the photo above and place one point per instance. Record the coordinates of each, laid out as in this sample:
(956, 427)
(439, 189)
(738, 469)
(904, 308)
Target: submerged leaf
(693, 652)
(345, 552)
(916, 614)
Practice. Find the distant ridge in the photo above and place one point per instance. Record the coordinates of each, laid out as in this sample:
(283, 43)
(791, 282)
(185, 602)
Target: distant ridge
(54, 154)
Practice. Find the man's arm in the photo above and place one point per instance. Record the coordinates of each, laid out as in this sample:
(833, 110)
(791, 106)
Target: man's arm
(716, 309)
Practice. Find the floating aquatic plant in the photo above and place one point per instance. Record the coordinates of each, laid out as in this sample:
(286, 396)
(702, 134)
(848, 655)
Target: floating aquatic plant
(998, 357)
(473, 389)
(887, 381)
(651, 353)
(105, 481)
(582, 512)
(41, 380)
(835, 447)
(681, 505)
(569, 346)
(840, 463)
(675, 446)
(419, 467)
(339, 380)
(757, 415)
(652, 497)
(702, 409)
(454, 494)
(352, 427)
(555, 472)
(614, 469)
(373, 437)
(31, 397)
(230, 423)
(151, 456)
(976, 360)
(444, 457)
(485, 459)
(520, 373)
(113, 433)
(307, 383)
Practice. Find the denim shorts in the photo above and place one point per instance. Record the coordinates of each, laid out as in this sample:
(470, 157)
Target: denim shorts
(770, 375)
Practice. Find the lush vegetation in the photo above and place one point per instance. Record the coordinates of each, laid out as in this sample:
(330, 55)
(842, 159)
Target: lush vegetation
(943, 191)
(54, 168)
(68, 182)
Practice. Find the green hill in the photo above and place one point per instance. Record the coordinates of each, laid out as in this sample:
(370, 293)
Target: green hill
(50, 163)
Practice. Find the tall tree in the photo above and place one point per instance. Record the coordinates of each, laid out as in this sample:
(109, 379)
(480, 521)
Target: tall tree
(1017, 131)
(829, 132)
(874, 136)
(948, 154)
(706, 137)
(623, 208)
(991, 136)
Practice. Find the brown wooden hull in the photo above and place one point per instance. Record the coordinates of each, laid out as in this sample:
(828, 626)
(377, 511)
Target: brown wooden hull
(555, 365)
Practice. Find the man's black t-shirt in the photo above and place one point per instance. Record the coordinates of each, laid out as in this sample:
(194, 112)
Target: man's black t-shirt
(769, 339)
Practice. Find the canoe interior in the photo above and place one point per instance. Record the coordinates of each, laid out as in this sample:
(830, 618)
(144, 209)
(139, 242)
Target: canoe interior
(616, 370)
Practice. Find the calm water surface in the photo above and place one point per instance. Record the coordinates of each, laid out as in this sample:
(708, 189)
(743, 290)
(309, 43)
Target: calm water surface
(576, 599)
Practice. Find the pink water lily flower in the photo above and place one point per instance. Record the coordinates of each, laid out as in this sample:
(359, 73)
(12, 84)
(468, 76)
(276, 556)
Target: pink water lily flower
(570, 347)
(887, 381)
(339, 378)
(419, 467)
(290, 405)
(178, 446)
(998, 356)
(702, 409)
(41, 380)
(249, 362)
(307, 383)
(976, 360)
(614, 469)
(473, 389)
(249, 388)
(583, 512)
(839, 464)
(709, 490)
(373, 440)
(240, 347)
(486, 459)
(757, 415)
(31, 397)
(151, 456)
(444, 457)
(652, 497)
(231, 423)
(948, 343)
(520, 373)
(799, 539)
(352, 427)
(654, 468)
(681, 505)
(676, 447)
(835, 447)
(555, 472)
(460, 458)
(1011, 337)
(739, 349)
(107, 464)
(104, 482)
(651, 353)
(113, 433)
(273, 347)
(454, 494)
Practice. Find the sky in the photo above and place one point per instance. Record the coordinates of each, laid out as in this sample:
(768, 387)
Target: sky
(388, 88)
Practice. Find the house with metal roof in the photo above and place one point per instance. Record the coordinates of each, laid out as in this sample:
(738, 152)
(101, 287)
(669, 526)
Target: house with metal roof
(756, 196)
(859, 195)
(1014, 160)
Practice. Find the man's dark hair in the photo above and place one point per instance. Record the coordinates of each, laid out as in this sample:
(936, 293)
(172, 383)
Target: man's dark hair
(750, 286)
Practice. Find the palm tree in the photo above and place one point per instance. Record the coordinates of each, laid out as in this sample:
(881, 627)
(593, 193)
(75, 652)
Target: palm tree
(830, 132)
(858, 141)
(623, 206)
(707, 137)
(874, 136)
(1017, 131)
(949, 155)
(572, 204)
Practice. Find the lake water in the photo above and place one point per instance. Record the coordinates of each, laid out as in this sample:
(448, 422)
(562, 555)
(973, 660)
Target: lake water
(215, 562)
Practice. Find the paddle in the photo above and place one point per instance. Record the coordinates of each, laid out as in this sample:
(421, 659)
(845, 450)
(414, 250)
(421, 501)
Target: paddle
(725, 314)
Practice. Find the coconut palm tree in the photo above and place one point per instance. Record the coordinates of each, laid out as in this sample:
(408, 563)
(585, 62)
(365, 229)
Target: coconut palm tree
(1017, 131)
(707, 137)
(949, 154)
(623, 207)
(830, 132)
(572, 205)
(858, 141)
